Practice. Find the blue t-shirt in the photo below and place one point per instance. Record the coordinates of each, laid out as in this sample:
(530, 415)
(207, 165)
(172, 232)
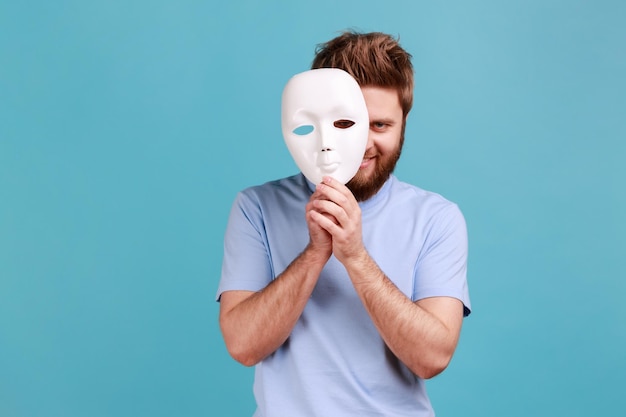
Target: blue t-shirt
(335, 363)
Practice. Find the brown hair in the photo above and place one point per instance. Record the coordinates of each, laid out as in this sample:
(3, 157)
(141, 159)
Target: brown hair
(373, 59)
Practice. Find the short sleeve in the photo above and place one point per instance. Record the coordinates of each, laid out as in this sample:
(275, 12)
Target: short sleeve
(441, 268)
(246, 264)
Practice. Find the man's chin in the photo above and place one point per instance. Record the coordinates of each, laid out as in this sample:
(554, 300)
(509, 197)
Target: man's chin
(365, 174)
(360, 178)
(371, 178)
(365, 186)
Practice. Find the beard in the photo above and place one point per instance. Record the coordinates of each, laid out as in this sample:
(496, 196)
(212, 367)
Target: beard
(364, 188)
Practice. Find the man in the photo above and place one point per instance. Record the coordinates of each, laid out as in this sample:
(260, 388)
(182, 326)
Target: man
(347, 297)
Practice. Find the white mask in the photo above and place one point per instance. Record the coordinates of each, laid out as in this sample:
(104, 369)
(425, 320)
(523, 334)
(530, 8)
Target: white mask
(325, 123)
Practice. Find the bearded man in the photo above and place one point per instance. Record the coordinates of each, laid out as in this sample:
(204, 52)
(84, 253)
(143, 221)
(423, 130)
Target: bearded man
(346, 298)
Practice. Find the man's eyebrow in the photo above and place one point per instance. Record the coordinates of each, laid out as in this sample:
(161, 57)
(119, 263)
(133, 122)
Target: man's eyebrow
(385, 120)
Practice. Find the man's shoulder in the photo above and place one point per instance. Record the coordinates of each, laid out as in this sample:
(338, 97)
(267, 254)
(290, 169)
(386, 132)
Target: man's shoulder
(292, 183)
(416, 195)
(294, 187)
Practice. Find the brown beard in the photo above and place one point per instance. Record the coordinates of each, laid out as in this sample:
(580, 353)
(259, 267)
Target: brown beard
(364, 188)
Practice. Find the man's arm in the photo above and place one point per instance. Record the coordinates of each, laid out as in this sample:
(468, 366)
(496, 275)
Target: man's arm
(424, 334)
(255, 324)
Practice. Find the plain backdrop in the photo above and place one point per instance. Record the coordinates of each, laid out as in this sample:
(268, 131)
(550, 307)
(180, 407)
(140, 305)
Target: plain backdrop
(128, 127)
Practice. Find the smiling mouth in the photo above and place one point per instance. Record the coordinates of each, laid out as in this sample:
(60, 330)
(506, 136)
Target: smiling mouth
(366, 161)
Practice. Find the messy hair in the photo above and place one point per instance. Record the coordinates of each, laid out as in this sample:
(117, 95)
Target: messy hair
(373, 59)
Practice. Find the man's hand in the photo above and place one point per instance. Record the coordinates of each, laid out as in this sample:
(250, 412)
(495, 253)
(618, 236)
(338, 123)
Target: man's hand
(334, 210)
(320, 240)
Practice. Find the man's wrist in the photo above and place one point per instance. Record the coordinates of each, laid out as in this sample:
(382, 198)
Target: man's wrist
(363, 269)
(316, 255)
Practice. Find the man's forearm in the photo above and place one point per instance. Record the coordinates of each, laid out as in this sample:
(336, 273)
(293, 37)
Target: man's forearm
(422, 335)
(255, 324)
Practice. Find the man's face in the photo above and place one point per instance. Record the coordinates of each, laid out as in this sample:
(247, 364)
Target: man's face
(384, 143)
(325, 123)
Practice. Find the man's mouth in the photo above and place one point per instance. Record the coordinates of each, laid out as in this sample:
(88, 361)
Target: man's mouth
(367, 160)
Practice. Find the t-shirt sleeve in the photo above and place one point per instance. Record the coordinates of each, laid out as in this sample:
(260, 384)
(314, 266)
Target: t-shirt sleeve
(441, 268)
(246, 264)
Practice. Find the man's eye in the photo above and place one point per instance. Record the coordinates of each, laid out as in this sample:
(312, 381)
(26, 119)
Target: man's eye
(343, 124)
(378, 125)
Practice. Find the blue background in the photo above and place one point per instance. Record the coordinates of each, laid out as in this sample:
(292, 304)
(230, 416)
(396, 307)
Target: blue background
(127, 127)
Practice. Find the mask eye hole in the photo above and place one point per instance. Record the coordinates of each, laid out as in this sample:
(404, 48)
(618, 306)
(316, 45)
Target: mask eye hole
(303, 130)
(343, 124)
